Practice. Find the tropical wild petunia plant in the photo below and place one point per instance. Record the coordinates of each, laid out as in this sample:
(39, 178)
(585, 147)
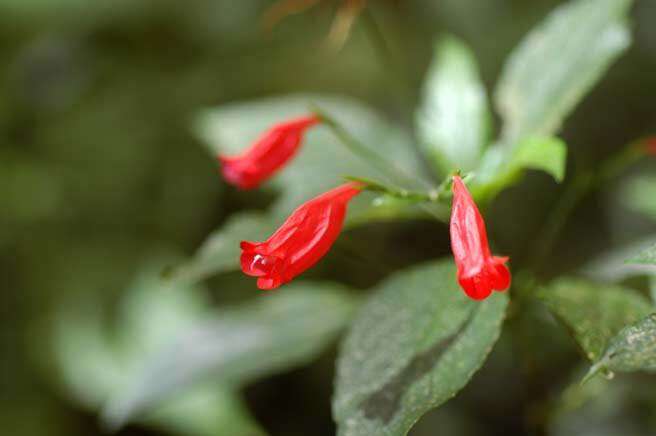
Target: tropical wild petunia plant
(418, 338)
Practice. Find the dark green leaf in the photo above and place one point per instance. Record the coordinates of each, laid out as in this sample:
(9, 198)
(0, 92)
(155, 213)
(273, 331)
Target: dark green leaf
(557, 63)
(453, 121)
(414, 345)
(632, 349)
(593, 312)
(237, 345)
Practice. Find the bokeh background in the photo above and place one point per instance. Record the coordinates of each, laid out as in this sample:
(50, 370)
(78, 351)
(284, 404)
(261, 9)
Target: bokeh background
(100, 174)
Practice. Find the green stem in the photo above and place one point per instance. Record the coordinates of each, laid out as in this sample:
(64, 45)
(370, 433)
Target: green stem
(581, 185)
(390, 170)
(437, 195)
(613, 167)
(546, 239)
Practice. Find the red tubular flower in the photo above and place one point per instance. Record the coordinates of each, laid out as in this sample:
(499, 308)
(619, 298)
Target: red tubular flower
(303, 239)
(267, 155)
(478, 271)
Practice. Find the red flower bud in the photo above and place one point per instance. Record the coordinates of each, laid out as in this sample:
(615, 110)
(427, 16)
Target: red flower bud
(303, 239)
(478, 271)
(267, 155)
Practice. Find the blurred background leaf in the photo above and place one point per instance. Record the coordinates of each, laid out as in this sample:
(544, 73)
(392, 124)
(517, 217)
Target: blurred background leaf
(612, 413)
(557, 63)
(639, 194)
(236, 346)
(647, 256)
(98, 362)
(613, 266)
(453, 120)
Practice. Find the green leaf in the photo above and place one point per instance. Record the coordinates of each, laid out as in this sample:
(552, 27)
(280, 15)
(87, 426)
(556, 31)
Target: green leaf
(96, 362)
(557, 63)
(548, 154)
(593, 312)
(542, 82)
(414, 345)
(453, 120)
(497, 171)
(323, 159)
(632, 349)
(647, 257)
(238, 345)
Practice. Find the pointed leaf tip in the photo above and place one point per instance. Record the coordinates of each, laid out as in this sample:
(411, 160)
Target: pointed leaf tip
(594, 370)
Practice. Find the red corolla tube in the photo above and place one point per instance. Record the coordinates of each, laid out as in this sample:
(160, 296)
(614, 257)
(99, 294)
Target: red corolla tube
(479, 273)
(276, 147)
(303, 239)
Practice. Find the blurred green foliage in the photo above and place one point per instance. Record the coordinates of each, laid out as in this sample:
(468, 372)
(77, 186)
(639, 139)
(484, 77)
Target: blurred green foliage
(100, 173)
